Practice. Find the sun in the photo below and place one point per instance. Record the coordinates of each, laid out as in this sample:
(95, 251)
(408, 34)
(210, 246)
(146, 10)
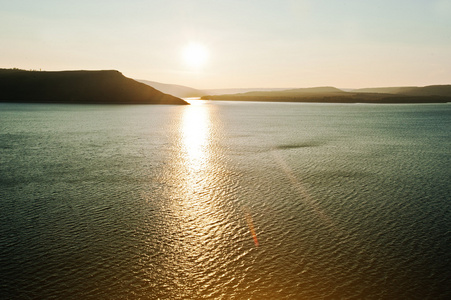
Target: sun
(195, 55)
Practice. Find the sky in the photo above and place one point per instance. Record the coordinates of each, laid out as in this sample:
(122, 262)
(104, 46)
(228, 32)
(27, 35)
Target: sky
(248, 43)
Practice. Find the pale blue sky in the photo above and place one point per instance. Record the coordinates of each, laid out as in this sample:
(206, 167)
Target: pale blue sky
(265, 43)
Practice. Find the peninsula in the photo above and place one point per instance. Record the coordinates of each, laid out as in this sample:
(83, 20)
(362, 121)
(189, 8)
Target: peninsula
(84, 87)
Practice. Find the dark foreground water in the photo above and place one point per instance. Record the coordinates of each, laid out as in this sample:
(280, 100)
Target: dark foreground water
(225, 200)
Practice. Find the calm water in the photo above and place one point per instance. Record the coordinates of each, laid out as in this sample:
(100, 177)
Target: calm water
(225, 200)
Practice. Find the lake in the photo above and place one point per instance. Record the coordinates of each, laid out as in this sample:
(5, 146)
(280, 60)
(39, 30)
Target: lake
(225, 200)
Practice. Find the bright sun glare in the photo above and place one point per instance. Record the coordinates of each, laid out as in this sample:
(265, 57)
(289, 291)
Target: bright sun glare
(195, 55)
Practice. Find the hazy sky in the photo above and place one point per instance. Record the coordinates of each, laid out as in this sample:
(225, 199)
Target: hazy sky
(251, 43)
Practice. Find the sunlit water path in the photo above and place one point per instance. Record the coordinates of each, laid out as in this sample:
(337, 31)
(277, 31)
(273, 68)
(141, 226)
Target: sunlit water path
(225, 200)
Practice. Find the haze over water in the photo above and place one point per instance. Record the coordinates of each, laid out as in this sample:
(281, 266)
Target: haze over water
(225, 200)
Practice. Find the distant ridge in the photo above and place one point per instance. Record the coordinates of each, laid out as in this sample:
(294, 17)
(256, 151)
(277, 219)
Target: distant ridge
(239, 90)
(187, 92)
(428, 94)
(385, 90)
(97, 87)
(327, 90)
(174, 89)
(431, 90)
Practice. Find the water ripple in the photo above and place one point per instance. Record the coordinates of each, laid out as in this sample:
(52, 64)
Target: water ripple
(165, 202)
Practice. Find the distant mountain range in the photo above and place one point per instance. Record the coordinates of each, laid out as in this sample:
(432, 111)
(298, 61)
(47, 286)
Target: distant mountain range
(99, 87)
(240, 90)
(431, 90)
(407, 94)
(294, 92)
(188, 92)
(174, 89)
(384, 90)
(427, 94)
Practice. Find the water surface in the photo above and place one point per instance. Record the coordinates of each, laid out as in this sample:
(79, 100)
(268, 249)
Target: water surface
(225, 200)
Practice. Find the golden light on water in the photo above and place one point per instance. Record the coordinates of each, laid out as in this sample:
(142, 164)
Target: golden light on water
(197, 222)
(194, 206)
(196, 142)
(195, 129)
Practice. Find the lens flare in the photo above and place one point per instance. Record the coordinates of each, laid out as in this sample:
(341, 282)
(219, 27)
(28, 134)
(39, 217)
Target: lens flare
(250, 223)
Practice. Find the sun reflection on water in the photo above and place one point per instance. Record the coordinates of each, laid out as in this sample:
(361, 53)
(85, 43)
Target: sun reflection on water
(195, 132)
(196, 230)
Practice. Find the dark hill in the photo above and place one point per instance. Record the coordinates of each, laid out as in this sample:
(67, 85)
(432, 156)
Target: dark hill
(97, 87)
